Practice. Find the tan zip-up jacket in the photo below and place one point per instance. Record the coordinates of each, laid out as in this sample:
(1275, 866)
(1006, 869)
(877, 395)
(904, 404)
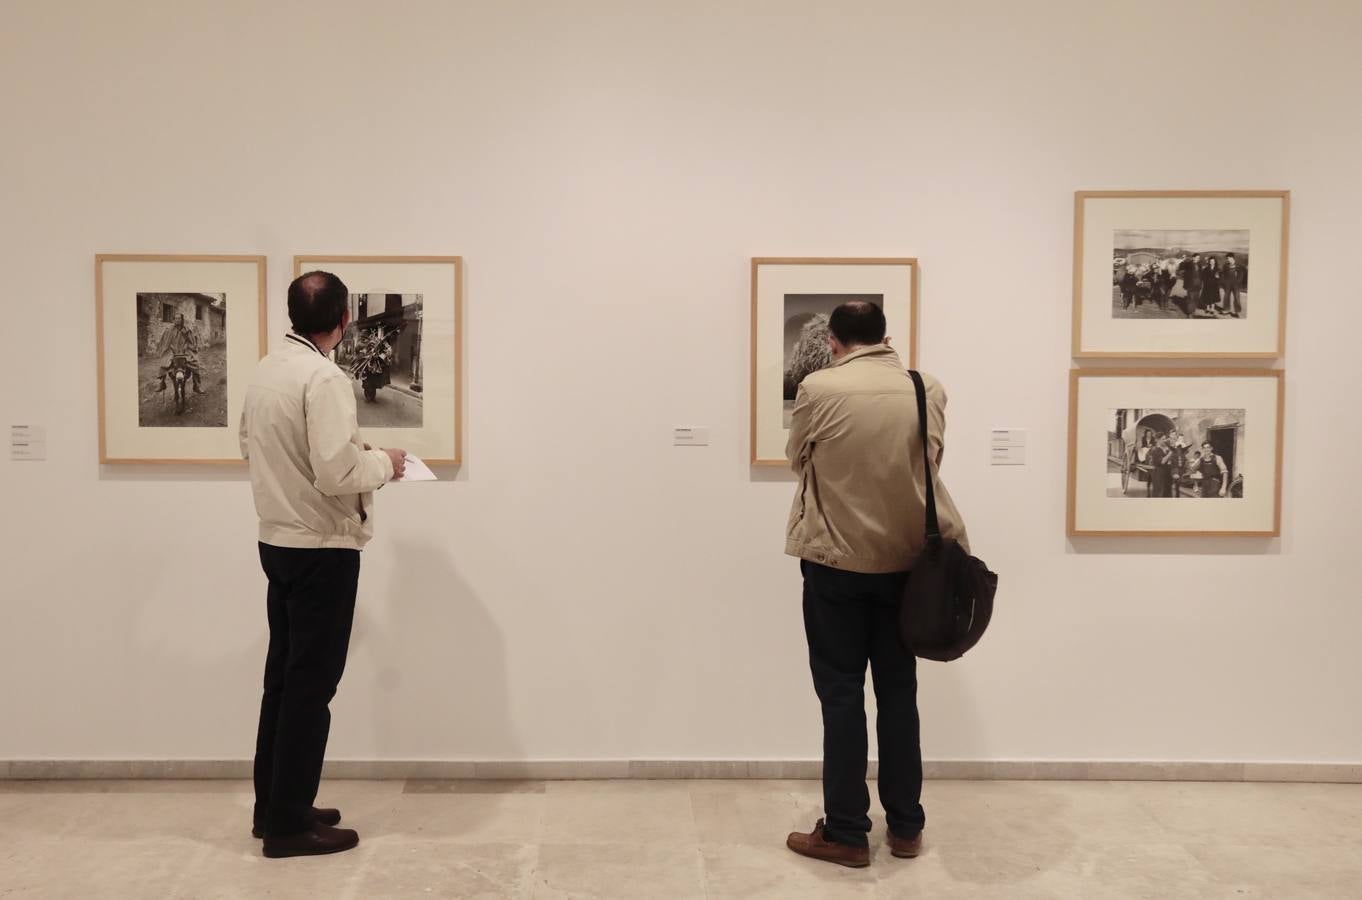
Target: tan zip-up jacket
(857, 448)
(312, 477)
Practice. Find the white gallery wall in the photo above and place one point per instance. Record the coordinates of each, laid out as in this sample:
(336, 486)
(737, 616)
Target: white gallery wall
(583, 589)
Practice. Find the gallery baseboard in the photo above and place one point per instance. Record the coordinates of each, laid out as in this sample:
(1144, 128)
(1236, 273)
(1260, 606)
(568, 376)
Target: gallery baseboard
(556, 770)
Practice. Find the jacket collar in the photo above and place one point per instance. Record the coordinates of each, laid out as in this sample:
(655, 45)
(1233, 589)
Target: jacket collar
(873, 350)
(301, 341)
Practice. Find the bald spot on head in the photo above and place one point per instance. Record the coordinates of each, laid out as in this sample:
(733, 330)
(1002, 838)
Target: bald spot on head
(316, 303)
(312, 284)
(857, 323)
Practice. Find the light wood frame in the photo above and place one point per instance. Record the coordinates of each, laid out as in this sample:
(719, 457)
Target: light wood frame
(1081, 196)
(307, 262)
(757, 262)
(263, 335)
(1071, 506)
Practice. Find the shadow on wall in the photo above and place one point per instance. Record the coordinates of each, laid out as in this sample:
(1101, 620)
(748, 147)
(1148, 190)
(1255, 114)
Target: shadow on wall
(440, 664)
(946, 703)
(1163, 545)
(184, 474)
(758, 474)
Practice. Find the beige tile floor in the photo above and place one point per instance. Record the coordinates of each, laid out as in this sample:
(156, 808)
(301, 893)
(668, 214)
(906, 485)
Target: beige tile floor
(678, 839)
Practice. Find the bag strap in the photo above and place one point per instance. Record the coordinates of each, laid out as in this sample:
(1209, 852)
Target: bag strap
(933, 525)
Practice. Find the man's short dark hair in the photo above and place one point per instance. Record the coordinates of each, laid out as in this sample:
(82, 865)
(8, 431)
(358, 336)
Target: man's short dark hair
(316, 303)
(857, 323)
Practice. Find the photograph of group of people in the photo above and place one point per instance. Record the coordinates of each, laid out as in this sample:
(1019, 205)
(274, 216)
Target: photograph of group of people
(1175, 453)
(1180, 273)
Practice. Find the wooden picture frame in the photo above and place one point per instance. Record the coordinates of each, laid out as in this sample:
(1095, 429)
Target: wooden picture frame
(815, 282)
(1158, 317)
(1120, 503)
(430, 295)
(139, 425)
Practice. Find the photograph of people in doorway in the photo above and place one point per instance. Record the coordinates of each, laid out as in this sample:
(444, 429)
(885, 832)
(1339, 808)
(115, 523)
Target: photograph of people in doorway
(1175, 453)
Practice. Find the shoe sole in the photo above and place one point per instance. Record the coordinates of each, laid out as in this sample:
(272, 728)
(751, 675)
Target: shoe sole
(326, 852)
(841, 862)
(902, 855)
(260, 835)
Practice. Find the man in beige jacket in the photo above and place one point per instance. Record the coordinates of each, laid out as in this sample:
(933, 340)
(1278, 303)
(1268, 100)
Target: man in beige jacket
(857, 525)
(313, 480)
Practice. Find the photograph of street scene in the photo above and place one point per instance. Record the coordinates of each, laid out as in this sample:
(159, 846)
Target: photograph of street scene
(381, 350)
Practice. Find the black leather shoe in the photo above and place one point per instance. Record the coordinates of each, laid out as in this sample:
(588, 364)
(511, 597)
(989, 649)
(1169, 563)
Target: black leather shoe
(317, 841)
(320, 816)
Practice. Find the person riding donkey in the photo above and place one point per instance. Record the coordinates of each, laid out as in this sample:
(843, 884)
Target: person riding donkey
(180, 341)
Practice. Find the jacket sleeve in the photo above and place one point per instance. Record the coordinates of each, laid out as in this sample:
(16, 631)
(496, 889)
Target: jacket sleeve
(339, 465)
(936, 421)
(797, 447)
(954, 525)
(244, 437)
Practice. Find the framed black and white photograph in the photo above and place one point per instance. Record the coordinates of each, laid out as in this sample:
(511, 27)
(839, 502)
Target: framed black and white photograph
(381, 351)
(181, 347)
(402, 349)
(177, 339)
(792, 299)
(1178, 453)
(1168, 274)
(1139, 440)
(806, 346)
(1180, 273)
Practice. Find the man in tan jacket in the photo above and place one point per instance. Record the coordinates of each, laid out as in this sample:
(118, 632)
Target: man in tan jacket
(857, 525)
(313, 480)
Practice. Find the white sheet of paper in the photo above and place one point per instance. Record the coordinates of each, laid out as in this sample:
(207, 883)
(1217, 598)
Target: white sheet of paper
(417, 470)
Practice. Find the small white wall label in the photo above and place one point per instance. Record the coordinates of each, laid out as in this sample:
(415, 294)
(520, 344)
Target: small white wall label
(689, 436)
(1007, 446)
(27, 442)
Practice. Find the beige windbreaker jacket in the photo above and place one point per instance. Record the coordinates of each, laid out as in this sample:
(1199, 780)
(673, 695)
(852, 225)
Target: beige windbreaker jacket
(312, 477)
(857, 448)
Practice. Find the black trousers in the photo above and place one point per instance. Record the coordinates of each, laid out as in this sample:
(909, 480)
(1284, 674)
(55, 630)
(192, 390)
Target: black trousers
(311, 606)
(851, 619)
(1232, 299)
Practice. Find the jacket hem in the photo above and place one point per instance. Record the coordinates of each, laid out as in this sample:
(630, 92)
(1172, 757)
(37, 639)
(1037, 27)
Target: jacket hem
(858, 564)
(310, 541)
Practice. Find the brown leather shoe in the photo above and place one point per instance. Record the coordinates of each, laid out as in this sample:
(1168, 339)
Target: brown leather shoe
(316, 841)
(815, 846)
(320, 816)
(905, 848)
